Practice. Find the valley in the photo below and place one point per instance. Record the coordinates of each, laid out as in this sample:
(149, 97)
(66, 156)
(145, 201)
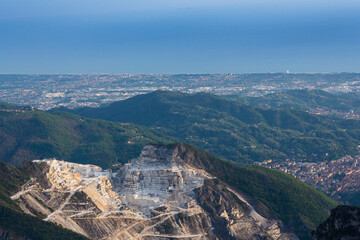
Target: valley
(336, 178)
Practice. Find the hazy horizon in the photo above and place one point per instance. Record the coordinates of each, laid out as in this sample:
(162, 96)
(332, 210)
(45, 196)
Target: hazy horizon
(180, 73)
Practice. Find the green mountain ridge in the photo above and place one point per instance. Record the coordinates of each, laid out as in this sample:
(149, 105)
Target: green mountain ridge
(306, 100)
(29, 135)
(236, 131)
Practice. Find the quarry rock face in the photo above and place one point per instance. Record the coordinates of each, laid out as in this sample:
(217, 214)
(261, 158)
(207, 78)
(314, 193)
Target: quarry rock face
(343, 223)
(155, 196)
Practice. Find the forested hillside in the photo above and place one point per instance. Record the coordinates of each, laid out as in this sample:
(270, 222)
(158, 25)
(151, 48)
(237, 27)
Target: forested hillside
(236, 131)
(32, 134)
(306, 100)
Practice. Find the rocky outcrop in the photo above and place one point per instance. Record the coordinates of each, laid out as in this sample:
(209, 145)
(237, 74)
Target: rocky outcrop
(155, 196)
(343, 224)
(156, 178)
(232, 217)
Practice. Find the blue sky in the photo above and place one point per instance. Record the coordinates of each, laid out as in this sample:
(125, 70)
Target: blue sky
(173, 36)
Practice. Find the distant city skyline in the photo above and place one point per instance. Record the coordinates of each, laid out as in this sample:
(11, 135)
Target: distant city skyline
(179, 36)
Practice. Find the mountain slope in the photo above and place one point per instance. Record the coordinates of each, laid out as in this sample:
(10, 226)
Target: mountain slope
(155, 196)
(306, 100)
(32, 134)
(300, 206)
(236, 131)
(175, 197)
(13, 222)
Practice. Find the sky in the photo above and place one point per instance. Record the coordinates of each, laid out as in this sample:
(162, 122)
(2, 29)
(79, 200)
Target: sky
(179, 36)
